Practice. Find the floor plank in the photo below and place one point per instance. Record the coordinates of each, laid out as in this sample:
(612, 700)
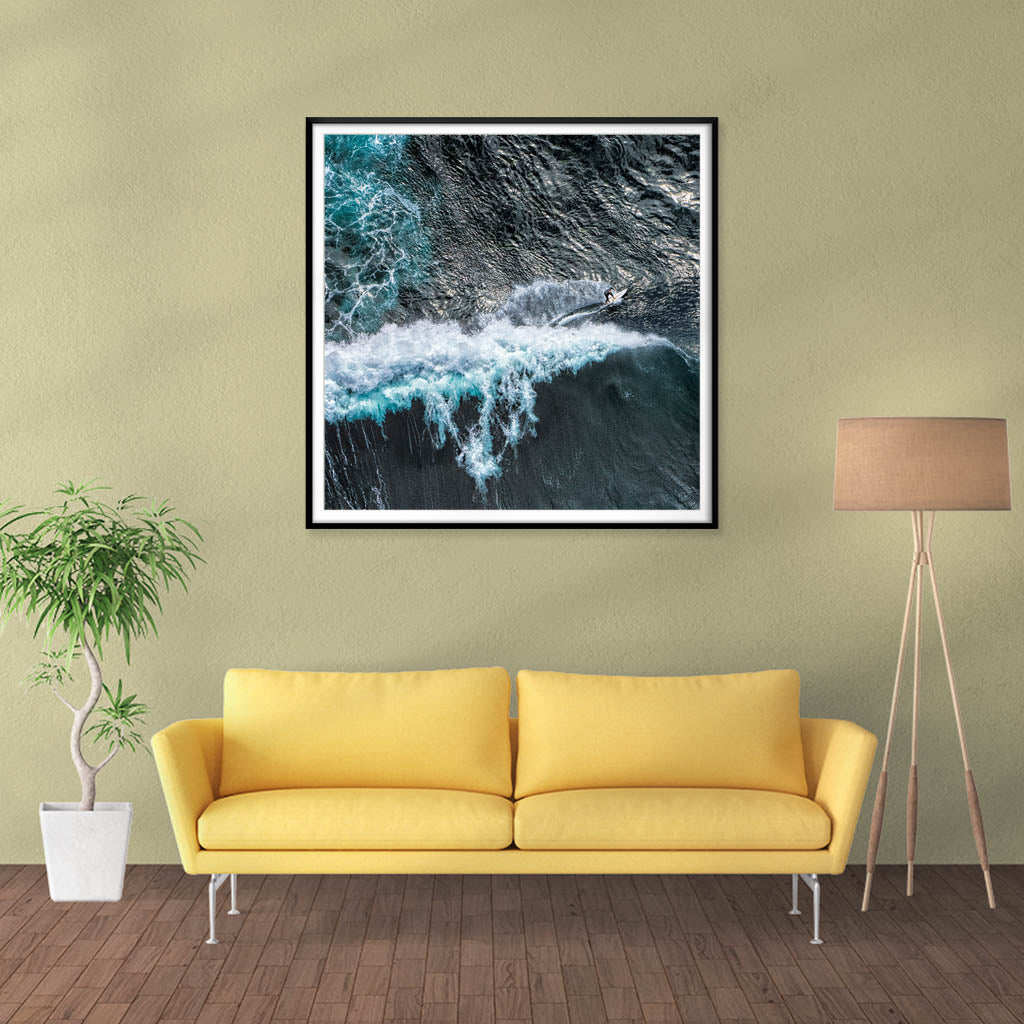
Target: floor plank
(503, 949)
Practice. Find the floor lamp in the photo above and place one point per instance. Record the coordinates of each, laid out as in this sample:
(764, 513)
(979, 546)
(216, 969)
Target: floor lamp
(920, 465)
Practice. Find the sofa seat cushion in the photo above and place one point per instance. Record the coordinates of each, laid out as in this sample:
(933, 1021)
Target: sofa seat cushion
(357, 819)
(670, 819)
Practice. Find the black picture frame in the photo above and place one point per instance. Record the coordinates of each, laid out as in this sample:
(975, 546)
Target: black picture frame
(318, 517)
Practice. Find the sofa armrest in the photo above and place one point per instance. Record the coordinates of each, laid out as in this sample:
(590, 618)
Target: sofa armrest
(838, 756)
(187, 758)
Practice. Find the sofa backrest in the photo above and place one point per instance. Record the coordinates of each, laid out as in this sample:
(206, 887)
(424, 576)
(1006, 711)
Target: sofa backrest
(584, 732)
(431, 730)
(815, 734)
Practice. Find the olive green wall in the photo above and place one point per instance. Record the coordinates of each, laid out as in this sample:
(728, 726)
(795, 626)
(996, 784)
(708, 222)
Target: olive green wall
(152, 303)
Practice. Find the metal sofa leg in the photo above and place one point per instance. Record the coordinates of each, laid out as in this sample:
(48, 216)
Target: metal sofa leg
(814, 884)
(234, 896)
(216, 881)
(796, 895)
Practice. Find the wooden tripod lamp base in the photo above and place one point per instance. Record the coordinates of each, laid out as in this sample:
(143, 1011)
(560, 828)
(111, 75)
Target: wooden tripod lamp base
(922, 464)
(922, 563)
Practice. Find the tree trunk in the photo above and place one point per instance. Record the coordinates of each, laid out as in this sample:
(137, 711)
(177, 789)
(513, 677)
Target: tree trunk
(86, 772)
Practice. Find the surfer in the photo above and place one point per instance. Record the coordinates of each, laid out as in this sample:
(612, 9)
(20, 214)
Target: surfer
(610, 297)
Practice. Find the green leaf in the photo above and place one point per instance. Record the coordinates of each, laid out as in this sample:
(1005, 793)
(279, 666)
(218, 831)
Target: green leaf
(119, 720)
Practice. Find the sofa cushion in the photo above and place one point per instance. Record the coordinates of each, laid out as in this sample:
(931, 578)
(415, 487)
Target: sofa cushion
(586, 732)
(433, 730)
(670, 819)
(357, 819)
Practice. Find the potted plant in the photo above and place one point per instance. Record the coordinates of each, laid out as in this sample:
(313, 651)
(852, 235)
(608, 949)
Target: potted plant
(80, 572)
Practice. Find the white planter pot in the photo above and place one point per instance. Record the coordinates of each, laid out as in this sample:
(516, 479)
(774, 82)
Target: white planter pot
(86, 851)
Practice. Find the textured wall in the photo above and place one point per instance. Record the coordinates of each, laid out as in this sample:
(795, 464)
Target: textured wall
(152, 311)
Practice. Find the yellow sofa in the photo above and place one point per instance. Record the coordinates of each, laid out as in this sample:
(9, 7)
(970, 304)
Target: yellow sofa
(425, 773)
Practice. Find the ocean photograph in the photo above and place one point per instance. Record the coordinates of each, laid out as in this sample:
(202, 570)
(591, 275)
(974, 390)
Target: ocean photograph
(510, 323)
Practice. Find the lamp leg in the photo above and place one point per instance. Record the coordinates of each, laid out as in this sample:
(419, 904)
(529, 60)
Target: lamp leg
(973, 804)
(883, 776)
(912, 780)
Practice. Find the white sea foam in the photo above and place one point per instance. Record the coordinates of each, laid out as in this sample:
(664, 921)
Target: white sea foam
(496, 368)
(544, 300)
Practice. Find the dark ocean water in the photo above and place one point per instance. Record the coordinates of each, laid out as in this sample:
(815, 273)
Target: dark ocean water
(469, 361)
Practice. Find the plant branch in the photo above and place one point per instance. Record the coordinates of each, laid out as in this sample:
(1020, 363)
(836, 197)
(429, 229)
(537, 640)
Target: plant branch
(103, 763)
(86, 772)
(65, 701)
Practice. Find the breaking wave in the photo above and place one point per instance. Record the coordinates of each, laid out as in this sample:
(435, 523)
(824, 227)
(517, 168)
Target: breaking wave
(496, 370)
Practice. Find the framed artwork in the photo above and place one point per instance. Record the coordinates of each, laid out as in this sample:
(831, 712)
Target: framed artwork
(511, 322)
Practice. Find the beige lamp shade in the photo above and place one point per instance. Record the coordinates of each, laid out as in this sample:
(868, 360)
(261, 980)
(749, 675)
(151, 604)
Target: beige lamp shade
(922, 463)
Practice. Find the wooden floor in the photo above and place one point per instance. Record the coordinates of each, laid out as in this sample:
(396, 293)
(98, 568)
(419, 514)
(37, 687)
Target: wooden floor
(549, 949)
